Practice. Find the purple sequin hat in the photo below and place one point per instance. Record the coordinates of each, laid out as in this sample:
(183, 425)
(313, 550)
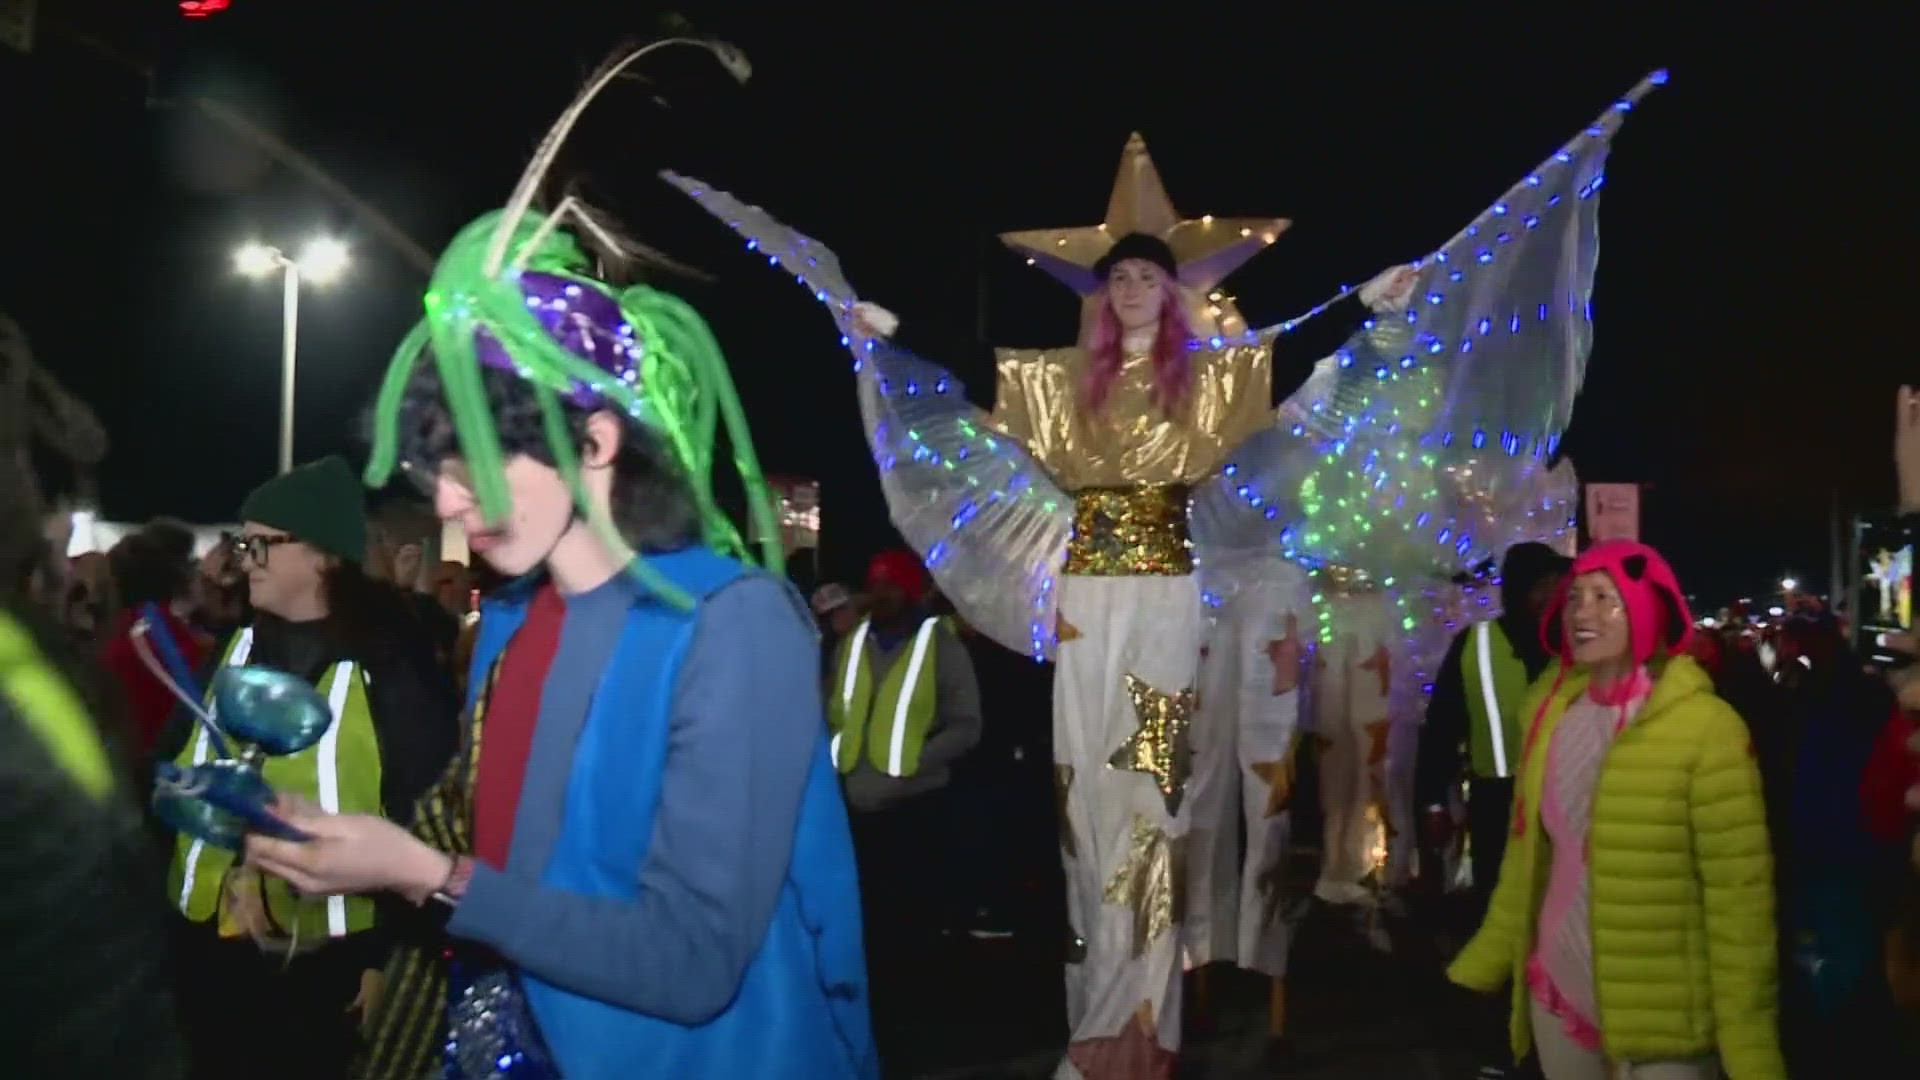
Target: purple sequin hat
(584, 318)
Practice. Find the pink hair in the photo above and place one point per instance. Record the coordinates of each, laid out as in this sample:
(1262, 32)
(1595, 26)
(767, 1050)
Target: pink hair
(1172, 366)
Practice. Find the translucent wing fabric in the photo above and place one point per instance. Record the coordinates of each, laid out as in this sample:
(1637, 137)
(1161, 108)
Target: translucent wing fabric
(1423, 446)
(990, 523)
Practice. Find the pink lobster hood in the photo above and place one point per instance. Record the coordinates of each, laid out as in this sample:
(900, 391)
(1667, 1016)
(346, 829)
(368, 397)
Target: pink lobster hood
(1657, 617)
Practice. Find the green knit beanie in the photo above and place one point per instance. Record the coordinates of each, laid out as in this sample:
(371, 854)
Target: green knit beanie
(320, 502)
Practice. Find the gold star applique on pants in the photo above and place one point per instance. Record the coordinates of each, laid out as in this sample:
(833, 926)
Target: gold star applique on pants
(1158, 747)
(1152, 883)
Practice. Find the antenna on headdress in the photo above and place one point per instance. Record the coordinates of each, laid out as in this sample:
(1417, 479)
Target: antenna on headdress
(730, 58)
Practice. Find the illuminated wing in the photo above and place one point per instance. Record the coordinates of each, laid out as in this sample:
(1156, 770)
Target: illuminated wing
(990, 523)
(1425, 445)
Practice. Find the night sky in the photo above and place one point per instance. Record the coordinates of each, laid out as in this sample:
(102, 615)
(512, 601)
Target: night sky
(1749, 330)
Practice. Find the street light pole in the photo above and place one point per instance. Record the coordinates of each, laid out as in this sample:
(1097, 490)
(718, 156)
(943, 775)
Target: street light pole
(289, 332)
(322, 263)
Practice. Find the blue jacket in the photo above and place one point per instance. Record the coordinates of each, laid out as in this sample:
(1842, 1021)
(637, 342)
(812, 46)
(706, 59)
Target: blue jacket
(800, 1009)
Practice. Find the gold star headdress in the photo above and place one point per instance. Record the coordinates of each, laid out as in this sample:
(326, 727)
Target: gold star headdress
(1207, 248)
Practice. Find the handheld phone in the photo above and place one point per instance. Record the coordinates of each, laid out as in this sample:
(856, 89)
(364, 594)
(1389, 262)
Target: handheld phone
(1883, 583)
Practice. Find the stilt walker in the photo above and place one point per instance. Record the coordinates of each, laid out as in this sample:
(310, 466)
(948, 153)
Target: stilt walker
(1246, 763)
(1067, 522)
(1355, 676)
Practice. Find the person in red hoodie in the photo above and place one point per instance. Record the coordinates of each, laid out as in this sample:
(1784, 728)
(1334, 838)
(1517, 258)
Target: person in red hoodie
(153, 566)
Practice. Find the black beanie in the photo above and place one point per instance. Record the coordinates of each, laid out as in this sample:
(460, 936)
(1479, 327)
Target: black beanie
(320, 502)
(1138, 246)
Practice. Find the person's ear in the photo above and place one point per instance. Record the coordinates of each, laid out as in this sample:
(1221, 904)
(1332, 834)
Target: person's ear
(603, 435)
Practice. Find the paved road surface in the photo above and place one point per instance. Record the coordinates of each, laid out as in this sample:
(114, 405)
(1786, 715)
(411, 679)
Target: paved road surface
(1356, 1012)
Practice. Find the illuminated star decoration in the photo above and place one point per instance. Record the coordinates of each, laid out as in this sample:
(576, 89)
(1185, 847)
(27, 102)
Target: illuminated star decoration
(1152, 883)
(1133, 1053)
(1206, 249)
(1062, 786)
(1159, 746)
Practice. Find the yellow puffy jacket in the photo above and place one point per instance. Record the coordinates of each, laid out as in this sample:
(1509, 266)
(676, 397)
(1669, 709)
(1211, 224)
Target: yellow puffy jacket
(1681, 883)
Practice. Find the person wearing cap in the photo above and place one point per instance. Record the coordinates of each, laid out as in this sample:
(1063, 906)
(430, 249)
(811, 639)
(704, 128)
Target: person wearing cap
(838, 610)
(269, 974)
(903, 706)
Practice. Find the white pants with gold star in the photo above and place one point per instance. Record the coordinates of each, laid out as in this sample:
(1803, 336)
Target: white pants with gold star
(1129, 652)
(1366, 751)
(1244, 766)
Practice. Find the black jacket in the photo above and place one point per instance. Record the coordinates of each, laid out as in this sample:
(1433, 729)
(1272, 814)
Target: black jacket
(1442, 757)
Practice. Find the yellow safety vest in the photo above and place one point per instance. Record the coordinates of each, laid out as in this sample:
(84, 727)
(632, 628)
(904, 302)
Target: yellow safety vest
(1496, 683)
(891, 725)
(340, 773)
(48, 707)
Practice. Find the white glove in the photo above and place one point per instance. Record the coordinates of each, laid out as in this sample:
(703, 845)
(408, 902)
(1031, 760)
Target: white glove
(874, 321)
(1390, 291)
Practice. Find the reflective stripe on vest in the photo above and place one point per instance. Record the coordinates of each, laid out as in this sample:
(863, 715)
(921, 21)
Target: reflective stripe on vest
(1496, 728)
(889, 722)
(48, 708)
(200, 867)
(1495, 681)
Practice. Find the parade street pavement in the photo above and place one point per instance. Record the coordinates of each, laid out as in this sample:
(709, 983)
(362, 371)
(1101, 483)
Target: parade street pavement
(1365, 1000)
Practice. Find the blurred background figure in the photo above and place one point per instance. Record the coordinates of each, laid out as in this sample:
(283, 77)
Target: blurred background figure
(454, 585)
(904, 708)
(84, 983)
(403, 550)
(1476, 720)
(1838, 878)
(91, 598)
(837, 610)
(154, 566)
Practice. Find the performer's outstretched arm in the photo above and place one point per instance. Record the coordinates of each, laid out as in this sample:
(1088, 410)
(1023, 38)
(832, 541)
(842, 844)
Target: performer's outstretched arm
(1295, 351)
(937, 344)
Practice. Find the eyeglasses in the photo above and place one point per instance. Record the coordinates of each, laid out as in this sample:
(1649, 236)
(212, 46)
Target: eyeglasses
(255, 549)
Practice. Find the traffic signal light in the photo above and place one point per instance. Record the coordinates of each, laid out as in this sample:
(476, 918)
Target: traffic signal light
(200, 9)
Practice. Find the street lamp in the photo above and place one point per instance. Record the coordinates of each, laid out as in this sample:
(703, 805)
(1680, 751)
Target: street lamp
(321, 262)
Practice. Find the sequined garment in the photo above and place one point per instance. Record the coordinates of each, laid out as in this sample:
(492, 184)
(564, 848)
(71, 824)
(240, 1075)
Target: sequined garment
(1151, 883)
(1131, 441)
(491, 1033)
(1128, 531)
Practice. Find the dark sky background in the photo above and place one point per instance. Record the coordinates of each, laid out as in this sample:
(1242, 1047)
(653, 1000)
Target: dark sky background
(1758, 216)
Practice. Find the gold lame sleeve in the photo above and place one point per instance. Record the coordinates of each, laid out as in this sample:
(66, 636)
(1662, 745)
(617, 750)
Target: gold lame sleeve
(1132, 442)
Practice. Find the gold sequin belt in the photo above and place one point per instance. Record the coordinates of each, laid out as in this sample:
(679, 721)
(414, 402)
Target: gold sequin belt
(1130, 532)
